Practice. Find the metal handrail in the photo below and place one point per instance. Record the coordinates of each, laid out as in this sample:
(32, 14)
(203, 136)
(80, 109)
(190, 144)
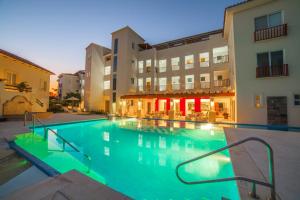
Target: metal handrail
(270, 184)
(59, 136)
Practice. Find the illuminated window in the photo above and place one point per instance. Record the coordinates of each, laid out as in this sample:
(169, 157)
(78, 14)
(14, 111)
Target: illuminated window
(189, 82)
(141, 66)
(141, 84)
(204, 59)
(220, 54)
(189, 62)
(175, 63)
(148, 84)
(148, 65)
(162, 65)
(106, 85)
(258, 101)
(107, 70)
(162, 84)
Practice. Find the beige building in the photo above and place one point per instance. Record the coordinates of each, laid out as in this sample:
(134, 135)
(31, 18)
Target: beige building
(24, 86)
(264, 46)
(245, 72)
(71, 83)
(97, 78)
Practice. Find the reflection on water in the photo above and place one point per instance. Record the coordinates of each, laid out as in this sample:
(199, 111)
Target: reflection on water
(138, 157)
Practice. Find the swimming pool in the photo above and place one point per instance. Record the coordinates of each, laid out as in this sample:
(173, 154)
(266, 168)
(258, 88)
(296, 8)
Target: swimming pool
(138, 157)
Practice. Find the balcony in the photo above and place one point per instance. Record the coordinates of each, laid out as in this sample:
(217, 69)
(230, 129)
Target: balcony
(14, 88)
(220, 59)
(204, 85)
(271, 32)
(222, 83)
(175, 86)
(273, 71)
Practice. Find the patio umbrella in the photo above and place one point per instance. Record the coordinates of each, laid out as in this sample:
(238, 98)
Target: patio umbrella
(73, 99)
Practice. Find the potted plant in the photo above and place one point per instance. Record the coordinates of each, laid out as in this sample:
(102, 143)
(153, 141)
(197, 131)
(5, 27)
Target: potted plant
(225, 114)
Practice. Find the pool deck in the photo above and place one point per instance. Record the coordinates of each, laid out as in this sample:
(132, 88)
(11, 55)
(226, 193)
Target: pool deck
(250, 160)
(71, 185)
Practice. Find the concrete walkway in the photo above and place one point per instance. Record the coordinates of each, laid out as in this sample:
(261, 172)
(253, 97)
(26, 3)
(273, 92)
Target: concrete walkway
(250, 160)
(72, 185)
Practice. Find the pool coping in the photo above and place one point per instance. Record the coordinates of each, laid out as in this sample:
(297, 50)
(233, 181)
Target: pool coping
(50, 171)
(69, 122)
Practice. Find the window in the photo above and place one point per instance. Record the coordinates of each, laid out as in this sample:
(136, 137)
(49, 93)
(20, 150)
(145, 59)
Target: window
(297, 99)
(162, 84)
(268, 21)
(176, 82)
(43, 85)
(141, 66)
(114, 82)
(205, 80)
(11, 78)
(116, 46)
(263, 59)
(148, 84)
(189, 82)
(267, 59)
(189, 61)
(107, 70)
(106, 85)
(140, 84)
(132, 81)
(219, 77)
(220, 54)
(175, 63)
(204, 59)
(162, 65)
(115, 63)
(133, 45)
(148, 65)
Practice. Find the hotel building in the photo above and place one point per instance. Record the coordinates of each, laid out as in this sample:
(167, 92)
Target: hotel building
(245, 72)
(71, 83)
(24, 86)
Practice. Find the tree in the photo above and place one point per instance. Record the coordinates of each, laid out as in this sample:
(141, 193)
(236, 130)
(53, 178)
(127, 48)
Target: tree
(72, 94)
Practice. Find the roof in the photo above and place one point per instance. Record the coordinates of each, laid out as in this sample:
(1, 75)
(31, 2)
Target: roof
(24, 60)
(181, 41)
(129, 28)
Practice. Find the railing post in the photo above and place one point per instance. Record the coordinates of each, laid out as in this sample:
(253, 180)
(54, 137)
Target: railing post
(33, 123)
(253, 192)
(271, 173)
(45, 133)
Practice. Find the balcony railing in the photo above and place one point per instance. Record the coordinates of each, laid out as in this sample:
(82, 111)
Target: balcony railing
(16, 89)
(204, 85)
(278, 70)
(175, 86)
(222, 83)
(271, 32)
(220, 59)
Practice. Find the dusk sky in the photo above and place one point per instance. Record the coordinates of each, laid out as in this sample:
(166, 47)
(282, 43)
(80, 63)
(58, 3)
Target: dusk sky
(55, 33)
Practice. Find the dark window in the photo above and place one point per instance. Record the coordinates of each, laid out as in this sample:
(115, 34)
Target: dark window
(275, 19)
(277, 58)
(263, 59)
(267, 21)
(297, 99)
(114, 97)
(116, 46)
(220, 77)
(202, 78)
(115, 63)
(261, 22)
(148, 69)
(132, 81)
(114, 82)
(133, 45)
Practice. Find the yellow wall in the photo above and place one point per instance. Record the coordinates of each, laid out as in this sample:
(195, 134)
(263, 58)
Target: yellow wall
(24, 73)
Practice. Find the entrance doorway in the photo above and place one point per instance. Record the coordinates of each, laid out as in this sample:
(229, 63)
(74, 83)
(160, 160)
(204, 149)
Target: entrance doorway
(277, 110)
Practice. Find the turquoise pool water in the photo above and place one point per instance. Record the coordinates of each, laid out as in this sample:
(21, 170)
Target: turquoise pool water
(138, 158)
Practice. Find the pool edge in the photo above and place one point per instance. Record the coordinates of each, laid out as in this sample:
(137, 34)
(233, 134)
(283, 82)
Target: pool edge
(50, 171)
